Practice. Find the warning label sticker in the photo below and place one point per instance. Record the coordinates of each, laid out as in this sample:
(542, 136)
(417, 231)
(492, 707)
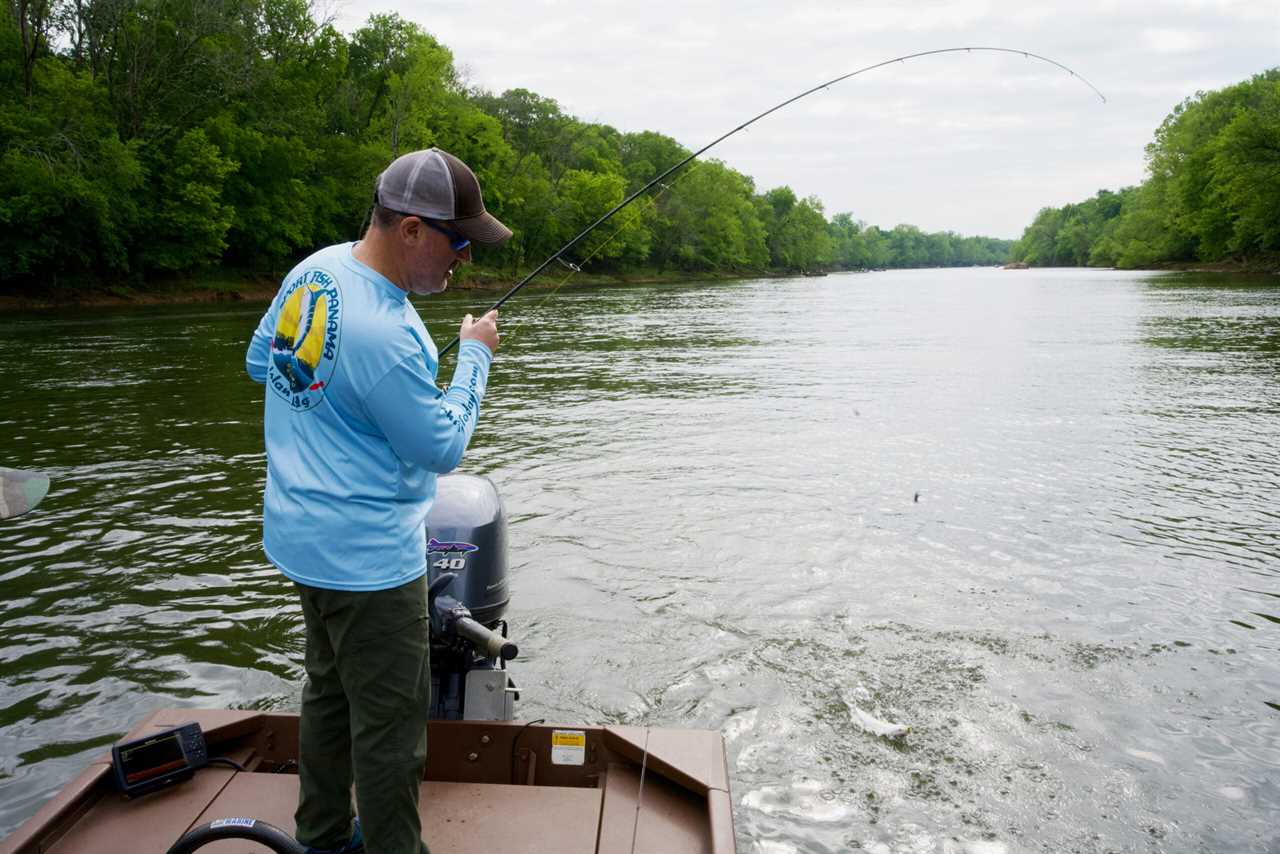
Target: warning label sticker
(568, 747)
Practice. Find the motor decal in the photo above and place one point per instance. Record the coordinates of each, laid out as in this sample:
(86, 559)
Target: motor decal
(450, 548)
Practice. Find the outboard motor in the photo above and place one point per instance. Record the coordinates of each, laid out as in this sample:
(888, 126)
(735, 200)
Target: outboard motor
(467, 598)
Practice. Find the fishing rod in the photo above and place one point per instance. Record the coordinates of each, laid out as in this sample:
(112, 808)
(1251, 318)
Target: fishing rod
(640, 192)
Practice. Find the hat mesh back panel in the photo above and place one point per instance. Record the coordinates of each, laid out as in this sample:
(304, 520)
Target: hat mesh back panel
(420, 183)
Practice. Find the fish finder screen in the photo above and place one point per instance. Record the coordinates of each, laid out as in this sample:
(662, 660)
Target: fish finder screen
(153, 758)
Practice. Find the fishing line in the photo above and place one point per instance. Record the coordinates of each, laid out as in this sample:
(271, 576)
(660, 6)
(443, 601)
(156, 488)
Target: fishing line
(821, 86)
(577, 268)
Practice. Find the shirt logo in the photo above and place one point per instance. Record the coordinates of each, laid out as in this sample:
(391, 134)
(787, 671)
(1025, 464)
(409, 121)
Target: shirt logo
(304, 349)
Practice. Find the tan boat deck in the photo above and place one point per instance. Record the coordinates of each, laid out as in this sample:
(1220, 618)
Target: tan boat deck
(589, 809)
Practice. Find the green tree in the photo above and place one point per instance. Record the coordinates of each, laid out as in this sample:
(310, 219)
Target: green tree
(848, 244)
(907, 246)
(1212, 190)
(646, 155)
(879, 253)
(68, 185)
(187, 219)
(164, 135)
(34, 19)
(583, 197)
(378, 50)
(708, 221)
(797, 231)
(1246, 171)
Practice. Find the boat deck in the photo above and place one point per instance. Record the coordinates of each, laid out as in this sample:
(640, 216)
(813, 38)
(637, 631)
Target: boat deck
(490, 787)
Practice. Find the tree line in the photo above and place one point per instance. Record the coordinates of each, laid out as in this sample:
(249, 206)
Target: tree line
(143, 137)
(1212, 191)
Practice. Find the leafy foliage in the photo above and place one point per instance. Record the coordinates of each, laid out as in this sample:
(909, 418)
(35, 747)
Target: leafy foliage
(165, 135)
(1212, 191)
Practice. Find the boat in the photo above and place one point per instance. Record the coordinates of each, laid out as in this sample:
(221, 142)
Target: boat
(492, 784)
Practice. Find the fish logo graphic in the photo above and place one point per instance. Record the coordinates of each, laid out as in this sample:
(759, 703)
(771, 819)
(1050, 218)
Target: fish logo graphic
(451, 548)
(299, 339)
(304, 348)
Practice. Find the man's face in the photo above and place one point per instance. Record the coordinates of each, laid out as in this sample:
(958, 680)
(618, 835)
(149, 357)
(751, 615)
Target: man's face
(430, 258)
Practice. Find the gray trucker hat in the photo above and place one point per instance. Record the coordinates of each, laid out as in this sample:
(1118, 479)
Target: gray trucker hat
(436, 185)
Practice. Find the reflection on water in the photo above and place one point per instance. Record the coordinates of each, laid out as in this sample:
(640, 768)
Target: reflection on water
(1028, 517)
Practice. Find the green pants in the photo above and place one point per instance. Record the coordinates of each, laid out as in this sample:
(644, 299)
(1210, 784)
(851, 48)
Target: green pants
(364, 717)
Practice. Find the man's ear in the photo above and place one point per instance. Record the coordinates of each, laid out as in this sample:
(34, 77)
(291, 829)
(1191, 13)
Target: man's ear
(411, 229)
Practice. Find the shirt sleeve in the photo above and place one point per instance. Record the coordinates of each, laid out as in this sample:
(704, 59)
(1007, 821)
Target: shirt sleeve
(425, 426)
(255, 359)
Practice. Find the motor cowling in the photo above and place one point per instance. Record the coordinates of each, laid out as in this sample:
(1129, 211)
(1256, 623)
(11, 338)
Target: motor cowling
(467, 598)
(467, 536)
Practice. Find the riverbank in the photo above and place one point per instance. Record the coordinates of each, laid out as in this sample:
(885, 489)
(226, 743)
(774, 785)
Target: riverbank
(223, 285)
(252, 286)
(1263, 265)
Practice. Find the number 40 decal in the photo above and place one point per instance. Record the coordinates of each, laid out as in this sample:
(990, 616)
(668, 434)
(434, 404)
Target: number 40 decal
(450, 563)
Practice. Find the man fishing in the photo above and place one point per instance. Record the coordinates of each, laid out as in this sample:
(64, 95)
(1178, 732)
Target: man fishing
(356, 432)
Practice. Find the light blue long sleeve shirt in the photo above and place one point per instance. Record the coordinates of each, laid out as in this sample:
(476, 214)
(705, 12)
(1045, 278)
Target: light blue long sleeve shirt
(356, 429)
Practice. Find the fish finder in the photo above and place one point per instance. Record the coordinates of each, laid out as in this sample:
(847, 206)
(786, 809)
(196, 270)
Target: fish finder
(158, 760)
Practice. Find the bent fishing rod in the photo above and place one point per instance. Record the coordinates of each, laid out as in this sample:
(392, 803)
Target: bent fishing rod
(821, 86)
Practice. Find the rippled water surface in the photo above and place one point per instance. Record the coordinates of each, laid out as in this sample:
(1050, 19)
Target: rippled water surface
(1032, 516)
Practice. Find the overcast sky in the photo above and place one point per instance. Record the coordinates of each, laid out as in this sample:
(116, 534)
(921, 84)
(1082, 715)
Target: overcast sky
(974, 143)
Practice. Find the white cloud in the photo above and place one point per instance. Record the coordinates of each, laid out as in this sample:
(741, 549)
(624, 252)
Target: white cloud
(1164, 40)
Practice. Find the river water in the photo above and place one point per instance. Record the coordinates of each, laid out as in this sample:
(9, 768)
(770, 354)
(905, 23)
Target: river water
(1032, 516)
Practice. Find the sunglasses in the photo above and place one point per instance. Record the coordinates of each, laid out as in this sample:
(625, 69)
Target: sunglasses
(456, 241)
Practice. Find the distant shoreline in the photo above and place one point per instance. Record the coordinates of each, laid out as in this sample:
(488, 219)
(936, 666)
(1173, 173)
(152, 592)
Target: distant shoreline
(1260, 266)
(226, 286)
(231, 286)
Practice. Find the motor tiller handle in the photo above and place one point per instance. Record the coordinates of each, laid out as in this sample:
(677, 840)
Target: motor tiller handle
(488, 640)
